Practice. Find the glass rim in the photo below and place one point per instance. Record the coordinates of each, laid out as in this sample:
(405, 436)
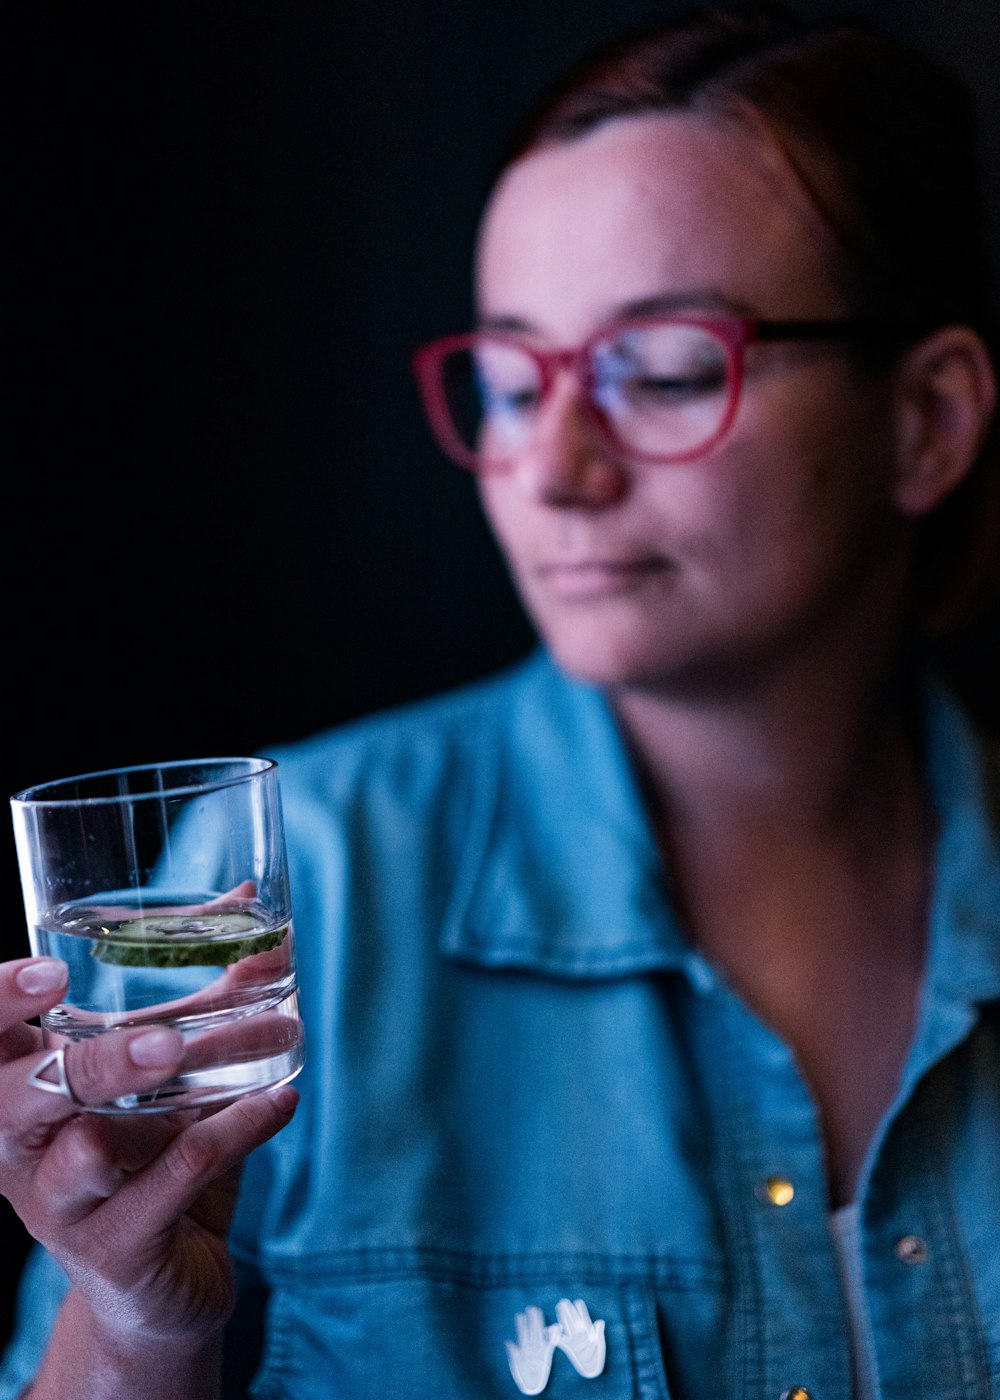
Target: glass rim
(47, 794)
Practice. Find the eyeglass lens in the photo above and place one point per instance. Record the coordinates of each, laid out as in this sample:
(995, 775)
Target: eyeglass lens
(659, 389)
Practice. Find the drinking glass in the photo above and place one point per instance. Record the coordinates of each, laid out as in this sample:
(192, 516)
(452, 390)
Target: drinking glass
(164, 887)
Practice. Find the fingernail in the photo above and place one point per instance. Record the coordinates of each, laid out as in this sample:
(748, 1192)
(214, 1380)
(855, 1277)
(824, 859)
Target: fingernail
(285, 1098)
(44, 975)
(159, 1047)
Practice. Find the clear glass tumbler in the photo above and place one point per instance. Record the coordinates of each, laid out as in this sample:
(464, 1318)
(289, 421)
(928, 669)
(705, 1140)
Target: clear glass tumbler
(164, 887)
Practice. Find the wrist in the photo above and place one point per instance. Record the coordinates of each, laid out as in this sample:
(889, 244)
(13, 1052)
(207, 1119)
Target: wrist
(107, 1363)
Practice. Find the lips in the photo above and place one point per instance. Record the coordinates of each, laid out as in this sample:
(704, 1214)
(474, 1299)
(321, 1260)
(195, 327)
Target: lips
(596, 578)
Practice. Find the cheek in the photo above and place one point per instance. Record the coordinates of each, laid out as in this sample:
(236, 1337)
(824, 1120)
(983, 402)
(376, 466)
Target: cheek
(504, 515)
(812, 452)
(807, 514)
(718, 511)
(770, 526)
(756, 524)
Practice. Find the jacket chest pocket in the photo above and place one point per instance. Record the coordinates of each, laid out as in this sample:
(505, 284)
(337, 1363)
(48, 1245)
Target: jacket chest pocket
(562, 1338)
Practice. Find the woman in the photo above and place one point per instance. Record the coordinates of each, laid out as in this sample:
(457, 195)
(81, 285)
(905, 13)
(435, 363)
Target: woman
(648, 986)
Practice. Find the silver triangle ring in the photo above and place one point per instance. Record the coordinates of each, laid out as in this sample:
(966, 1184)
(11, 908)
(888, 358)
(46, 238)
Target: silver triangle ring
(60, 1084)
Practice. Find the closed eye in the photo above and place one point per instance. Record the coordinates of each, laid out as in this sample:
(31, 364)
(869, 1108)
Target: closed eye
(513, 401)
(674, 386)
(650, 392)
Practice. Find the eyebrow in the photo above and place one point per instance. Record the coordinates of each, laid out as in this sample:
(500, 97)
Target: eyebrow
(659, 304)
(701, 299)
(503, 323)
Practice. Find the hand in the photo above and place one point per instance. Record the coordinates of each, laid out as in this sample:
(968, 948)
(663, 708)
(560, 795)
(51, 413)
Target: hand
(135, 1209)
(581, 1340)
(530, 1357)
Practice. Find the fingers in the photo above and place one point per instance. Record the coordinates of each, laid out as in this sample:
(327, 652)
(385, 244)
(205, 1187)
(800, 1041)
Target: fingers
(530, 1325)
(121, 1062)
(153, 1198)
(99, 1069)
(33, 978)
(89, 1159)
(265, 1035)
(135, 1176)
(246, 889)
(258, 967)
(28, 986)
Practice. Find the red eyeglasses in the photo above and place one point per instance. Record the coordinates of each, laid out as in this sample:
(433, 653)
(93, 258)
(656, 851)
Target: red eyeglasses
(659, 390)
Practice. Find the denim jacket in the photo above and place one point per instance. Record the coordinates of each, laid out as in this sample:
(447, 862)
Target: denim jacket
(542, 1147)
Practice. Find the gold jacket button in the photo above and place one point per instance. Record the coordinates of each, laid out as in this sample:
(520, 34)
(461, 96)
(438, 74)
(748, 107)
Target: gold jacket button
(797, 1392)
(776, 1191)
(912, 1249)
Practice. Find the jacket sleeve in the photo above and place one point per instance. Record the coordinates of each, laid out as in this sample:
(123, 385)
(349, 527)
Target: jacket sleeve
(40, 1293)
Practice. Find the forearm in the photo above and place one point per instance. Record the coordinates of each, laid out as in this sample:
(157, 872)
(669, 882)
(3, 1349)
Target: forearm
(85, 1359)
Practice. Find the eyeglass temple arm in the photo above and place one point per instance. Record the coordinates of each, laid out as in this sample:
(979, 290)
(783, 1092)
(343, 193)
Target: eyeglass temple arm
(854, 328)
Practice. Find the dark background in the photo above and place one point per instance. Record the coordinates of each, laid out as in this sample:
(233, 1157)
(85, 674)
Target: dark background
(227, 526)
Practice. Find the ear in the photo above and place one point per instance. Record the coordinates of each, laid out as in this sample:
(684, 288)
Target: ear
(946, 391)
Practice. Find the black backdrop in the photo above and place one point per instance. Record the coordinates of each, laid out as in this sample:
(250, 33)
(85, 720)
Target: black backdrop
(226, 524)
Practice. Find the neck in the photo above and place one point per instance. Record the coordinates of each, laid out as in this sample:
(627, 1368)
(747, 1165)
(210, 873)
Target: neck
(793, 820)
(822, 746)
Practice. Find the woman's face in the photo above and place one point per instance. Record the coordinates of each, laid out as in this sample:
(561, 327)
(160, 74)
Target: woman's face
(700, 572)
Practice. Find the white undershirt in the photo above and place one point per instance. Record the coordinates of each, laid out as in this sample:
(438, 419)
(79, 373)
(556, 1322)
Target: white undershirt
(844, 1224)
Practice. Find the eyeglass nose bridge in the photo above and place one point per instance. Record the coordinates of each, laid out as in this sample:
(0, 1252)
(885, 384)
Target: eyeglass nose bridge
(578, 363)
(568, 420)
(574, 360)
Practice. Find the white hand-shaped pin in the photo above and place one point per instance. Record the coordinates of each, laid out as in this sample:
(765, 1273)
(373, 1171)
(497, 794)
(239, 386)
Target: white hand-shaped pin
(531, 1357)
(581, 1340)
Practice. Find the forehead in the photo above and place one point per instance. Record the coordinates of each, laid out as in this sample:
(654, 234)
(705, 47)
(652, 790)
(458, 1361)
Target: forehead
(659, 205)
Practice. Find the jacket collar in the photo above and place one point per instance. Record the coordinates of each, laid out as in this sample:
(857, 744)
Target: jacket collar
(562, 874)
(964, 931)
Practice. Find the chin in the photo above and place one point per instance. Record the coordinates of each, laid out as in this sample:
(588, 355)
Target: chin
(606, 662)
(678, 673)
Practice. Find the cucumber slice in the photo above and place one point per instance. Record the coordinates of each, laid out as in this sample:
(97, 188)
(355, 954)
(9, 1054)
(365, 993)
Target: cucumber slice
(205, 923)
(207, 939)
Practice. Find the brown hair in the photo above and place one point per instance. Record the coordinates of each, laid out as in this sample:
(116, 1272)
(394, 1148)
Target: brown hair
(886, 144)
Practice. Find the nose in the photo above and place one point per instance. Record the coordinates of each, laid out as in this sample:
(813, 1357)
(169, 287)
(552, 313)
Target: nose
(565, 463)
